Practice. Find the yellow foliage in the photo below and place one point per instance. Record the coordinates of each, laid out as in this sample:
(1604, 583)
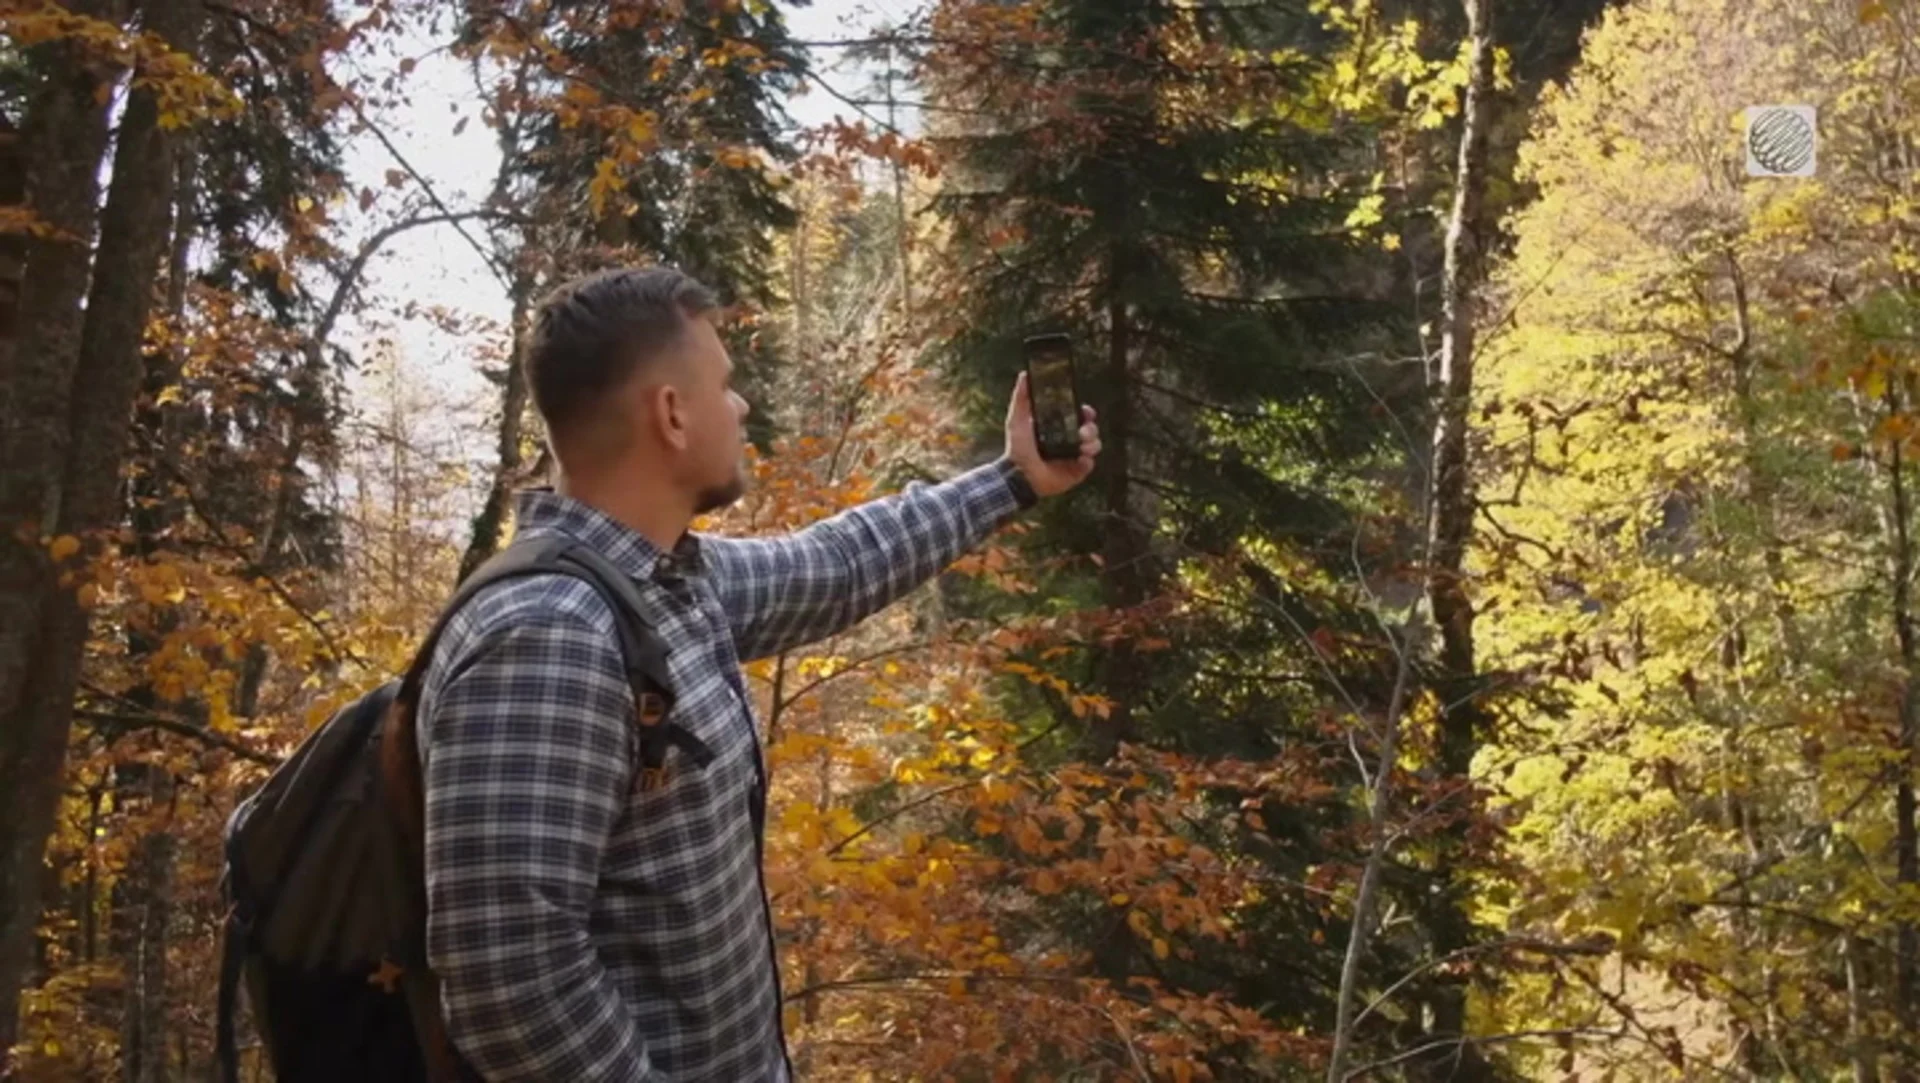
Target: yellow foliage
(1690, 422)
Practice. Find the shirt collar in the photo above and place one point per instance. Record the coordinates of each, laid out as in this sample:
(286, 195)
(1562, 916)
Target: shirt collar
(544, 511)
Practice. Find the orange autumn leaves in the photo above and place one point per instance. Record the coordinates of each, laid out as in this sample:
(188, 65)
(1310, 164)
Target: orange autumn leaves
(923, 850)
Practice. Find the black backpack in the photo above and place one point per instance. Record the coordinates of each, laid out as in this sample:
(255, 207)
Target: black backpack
(324, 880)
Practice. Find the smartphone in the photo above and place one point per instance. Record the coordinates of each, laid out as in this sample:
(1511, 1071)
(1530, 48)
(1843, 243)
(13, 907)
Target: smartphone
(1053, 395)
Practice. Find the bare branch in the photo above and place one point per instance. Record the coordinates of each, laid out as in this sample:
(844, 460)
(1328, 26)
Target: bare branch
(433, 197)
(934, 975)
(254, 568)
(146, 720)
(350, 276)
(1544, 947)
(1489, 1039)
(851, 667)
(918, 802)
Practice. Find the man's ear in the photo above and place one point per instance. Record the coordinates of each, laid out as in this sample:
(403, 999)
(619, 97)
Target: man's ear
(667, 409)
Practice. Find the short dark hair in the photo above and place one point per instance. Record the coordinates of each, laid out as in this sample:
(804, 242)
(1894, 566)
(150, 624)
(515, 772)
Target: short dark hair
(590, 335)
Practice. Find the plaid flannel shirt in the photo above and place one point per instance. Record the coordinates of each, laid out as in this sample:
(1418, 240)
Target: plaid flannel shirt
(587, 929)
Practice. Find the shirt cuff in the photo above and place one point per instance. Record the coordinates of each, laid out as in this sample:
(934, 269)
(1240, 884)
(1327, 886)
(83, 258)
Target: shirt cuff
(1017, 483)
(991, 494)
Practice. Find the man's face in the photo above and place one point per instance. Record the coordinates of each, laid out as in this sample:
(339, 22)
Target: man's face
(713, 465)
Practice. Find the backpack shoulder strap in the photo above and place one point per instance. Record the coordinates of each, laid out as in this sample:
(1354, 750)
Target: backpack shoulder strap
(399, 755)
(641, 650)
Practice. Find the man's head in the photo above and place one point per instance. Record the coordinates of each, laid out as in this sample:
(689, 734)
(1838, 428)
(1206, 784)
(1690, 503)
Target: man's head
(628, 371)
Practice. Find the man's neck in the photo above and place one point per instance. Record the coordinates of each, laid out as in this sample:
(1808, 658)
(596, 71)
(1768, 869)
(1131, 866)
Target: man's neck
(650, 510)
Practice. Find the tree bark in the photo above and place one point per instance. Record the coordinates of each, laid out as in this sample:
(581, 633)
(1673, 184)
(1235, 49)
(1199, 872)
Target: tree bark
(1740, 814)
(1860, 1048)
(1906, 838)
(62, 140)
(1451, 513)
(13, 246)
(88, 407)
(488, 524)
(1380, 806)
(146, 909)
(1762, 487)
(1126, 580)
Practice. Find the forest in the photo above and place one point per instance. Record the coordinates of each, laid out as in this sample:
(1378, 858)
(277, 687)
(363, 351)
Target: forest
(1487, 649)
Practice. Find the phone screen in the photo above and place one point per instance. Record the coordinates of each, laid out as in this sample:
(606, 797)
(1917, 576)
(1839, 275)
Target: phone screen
(1056, 406)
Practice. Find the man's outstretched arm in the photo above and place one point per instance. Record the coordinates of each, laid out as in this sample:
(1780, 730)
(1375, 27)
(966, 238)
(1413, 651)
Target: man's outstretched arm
(783, 592)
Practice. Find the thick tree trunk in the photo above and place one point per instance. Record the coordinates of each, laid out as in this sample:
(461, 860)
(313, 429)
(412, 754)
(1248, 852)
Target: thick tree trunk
(63, 138)
(88, 417)
(1126, 582)
(1451, 513)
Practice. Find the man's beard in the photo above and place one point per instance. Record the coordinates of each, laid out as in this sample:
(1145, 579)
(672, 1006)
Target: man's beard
(721, 496)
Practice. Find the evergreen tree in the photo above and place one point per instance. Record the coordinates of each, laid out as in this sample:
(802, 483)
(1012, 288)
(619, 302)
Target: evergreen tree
(656, 135)
(1188, 192)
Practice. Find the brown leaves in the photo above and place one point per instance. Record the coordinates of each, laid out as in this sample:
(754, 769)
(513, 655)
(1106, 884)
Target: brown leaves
(839, 143)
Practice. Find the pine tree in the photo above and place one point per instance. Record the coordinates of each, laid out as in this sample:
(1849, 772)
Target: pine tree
(653, 135)
(1191, 193)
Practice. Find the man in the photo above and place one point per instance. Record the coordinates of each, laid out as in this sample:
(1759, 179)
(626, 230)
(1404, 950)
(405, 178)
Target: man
(590, 925)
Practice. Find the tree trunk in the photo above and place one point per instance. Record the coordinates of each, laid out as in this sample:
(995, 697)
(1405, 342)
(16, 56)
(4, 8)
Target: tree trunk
(1451, 512)
(1740, 813)
(1762, 487)
(1126, 580)
(1126, 583)
(90, 902)
(144, 910)
(1380, 807)
(307, 410)
(63, 138)
(1860, 1048)
(1907, 839)
(13, 246)
(147, 908)
(489, 523)
(106, 370)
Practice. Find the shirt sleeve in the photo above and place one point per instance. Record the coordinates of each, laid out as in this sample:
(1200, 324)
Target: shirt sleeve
(780, 593)
(528, 762)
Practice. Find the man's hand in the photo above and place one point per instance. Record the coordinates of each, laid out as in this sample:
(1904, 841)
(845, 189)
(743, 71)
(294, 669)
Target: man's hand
(1048, 477)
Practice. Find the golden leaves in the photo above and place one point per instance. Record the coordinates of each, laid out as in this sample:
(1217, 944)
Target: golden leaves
(607, 182)
(17, 219)
(62, 547)
(185, 92)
